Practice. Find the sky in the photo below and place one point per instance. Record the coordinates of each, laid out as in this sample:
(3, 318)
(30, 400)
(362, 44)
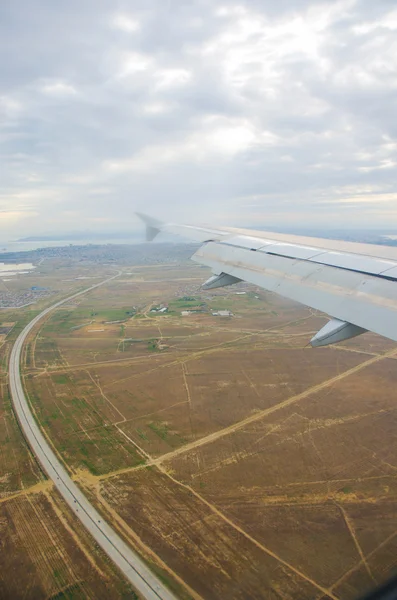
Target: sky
(247, 113)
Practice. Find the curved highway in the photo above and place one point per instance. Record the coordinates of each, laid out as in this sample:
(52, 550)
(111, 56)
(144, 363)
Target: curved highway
(134, 569)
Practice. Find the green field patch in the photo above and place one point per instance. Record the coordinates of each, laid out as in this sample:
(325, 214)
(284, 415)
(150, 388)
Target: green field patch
(47, 353)
(237, 303)
(66, 321)
(142, 434)
(187, 303)
(20, 320)
(72, 592)
(60, 379)
(63, 320)
(114, 314)
(100, 450)
(152, 345)
(162, 431)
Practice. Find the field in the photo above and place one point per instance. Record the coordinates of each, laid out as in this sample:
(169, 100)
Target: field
(44, 552)
(242, 462)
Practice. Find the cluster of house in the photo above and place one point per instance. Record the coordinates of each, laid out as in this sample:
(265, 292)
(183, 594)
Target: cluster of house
(219, 313)
(159, 309)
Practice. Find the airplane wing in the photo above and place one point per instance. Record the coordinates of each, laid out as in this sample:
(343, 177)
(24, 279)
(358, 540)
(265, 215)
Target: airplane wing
(356, 284)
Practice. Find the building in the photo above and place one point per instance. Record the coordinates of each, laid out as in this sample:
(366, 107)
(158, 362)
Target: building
(222, 313)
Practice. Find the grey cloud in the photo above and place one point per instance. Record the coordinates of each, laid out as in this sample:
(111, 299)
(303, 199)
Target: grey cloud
(255, 117)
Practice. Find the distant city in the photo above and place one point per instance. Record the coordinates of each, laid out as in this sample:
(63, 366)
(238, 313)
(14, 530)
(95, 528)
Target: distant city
(138, 254)
(105, 254)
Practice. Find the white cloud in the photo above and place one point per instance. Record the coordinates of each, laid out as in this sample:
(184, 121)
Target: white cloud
(374, 199)
(10, 107)
(156, 108)
(100, 191)
(216, 139)
(12, 217)
(253, 47)
(28, 198)
(169, 78)
(384, 164)
(58, 89)
(388, 21)
(132, 63)
(125, 23)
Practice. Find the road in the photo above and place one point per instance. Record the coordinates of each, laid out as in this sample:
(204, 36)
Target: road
(134, 569)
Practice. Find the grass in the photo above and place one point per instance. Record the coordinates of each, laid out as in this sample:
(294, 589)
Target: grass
(152, 345)
(28, 355)
(72, 592)
(101, 450)
(163, 432)
(60, 379)
(160, 429)
(142, 434)
(185, 303)
(63, 320)
(21, 320)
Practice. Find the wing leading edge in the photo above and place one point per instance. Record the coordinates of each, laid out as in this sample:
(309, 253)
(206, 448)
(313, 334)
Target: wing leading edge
(356, 284)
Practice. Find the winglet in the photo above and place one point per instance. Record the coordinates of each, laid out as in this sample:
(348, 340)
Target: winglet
(218, 281)
(336, 331)
(153, 226)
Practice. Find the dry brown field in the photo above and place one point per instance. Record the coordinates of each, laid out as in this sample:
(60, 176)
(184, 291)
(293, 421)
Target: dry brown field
(252, 465)
(213, 557)
(18, 469)
(45, 554)
(314, 480)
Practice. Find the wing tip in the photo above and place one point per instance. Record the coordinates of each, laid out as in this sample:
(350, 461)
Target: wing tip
(153, 226)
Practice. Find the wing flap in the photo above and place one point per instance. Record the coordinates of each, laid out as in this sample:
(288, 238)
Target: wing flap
(366, 301)
(348, 261)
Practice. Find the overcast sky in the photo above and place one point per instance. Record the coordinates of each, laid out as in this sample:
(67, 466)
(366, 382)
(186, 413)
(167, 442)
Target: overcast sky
(248, 112)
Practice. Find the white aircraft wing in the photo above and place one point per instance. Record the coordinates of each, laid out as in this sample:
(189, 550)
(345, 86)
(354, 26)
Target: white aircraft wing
(356, 284)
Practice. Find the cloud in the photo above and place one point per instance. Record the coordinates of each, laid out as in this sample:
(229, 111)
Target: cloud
(217, 138)
(125, 23)
(58, 89)
(9, 107)
(169, 78)
(241, 112)
(367, 199)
